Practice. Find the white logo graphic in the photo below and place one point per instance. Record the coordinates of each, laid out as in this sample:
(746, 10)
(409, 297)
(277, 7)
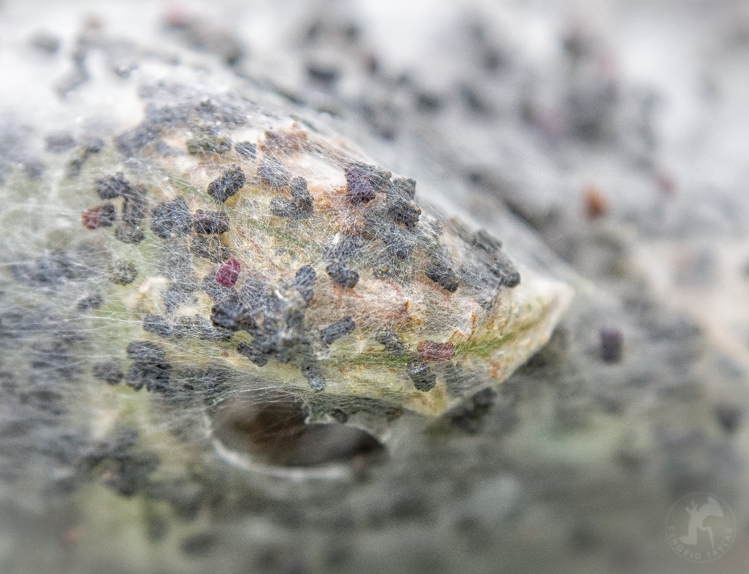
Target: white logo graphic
(700, 527)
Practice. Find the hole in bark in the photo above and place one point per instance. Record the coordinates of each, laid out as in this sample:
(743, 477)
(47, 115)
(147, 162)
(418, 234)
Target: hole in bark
(274, 432)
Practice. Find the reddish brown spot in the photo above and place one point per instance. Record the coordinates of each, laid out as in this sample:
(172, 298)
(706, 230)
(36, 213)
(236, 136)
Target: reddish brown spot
(91, 218)
(228, 273)
(437, 352)
(596, 204)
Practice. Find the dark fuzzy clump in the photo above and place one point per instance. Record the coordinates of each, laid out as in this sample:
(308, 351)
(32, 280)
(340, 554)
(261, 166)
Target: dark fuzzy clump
(421, 375)
(312, 372)
(345, 248)
(157, 325)
(195, 326)
(304, 282)
(227, 184)
(206, 139)
(612, 345)
(219, 293)
(502, 268)
(333, 332)
(274, 174)
(133, 213)
(209, 247)
(359, 188)
(122, 272)
(210, 222)
(403, 210)
(341, 274)
(404, 187)
(297, 208)
(392, 341)
(112, 186)
(254, 354)
(301, 195)
(443, 275)
(171, 218)
(150, 368)
(108, 371)
(134, 206)
(397, 244)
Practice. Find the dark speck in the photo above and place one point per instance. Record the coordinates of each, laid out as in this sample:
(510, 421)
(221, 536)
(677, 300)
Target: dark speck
(45, 42)
(122, 272)
(227, 184)
(199, 544)
(729, 417)
(59, 142)
(274, 174)
(404, 186)
(421, 375)
(341, 274)
(157, 325)
(150, 367)
(359, 188)
(210, 247)
(428, 103)
(253, 353)
(326, 75)
(171, 218)
(337, 330)
(612, 345)
(403, 210)
(108, 371)
(112, 186)
(210, 222)
(443, 275)
(304, 282)
(392, 342)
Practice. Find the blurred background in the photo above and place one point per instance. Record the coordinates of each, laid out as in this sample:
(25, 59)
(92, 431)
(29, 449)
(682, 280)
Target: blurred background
(616, 134)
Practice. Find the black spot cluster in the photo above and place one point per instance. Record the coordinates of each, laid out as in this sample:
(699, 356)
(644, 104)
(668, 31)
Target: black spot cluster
(338, 253)
(125, 468)
(210, 247)
(122, 272)
(342, 274)
(193, 326)
(421, 375)
(277, 324)
(149, 369)
(337, 330)
(498, 262)
(442, 273)
(227, 184)
(210, 222)
(108, 371)
(359, 187)
(129, 228)
(171, 219)
(274, 174)
(304, 282)
(52, 269)
(299, 207)
(392, 341)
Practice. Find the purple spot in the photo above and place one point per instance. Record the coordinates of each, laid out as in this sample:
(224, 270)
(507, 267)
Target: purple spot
(228, 273)
(360, 189)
